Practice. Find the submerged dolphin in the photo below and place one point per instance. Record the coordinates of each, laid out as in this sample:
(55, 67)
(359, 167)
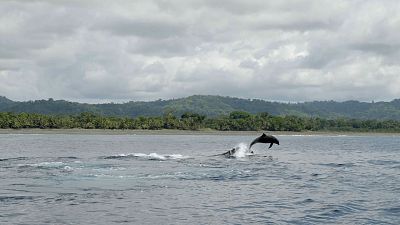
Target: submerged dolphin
(229, 153)
(265, 139)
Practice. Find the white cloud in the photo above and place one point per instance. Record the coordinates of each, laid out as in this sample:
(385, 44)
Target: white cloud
(141, 50)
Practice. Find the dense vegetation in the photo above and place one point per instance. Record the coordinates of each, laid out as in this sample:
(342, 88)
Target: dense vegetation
(211, 106)
(235, 121)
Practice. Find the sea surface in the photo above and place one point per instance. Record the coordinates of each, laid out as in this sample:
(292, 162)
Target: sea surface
(181, 179)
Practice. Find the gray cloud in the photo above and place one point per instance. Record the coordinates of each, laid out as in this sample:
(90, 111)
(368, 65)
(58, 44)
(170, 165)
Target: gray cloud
(142, 50)
(146, 28)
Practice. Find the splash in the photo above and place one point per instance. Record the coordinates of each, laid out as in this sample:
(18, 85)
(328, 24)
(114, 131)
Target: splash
(155, 156)
(44, 165)
(242, 150)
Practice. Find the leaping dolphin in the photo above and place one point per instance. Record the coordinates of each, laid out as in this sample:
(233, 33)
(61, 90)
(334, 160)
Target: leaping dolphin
(262, 139)
(265, 139)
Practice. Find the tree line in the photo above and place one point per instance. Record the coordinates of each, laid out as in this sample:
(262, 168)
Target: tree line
(211, 106)
(235, 121)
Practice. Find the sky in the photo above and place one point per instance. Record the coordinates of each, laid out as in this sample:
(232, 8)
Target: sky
(102, 51)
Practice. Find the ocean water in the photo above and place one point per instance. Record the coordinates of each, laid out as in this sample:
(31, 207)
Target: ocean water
(180, 179)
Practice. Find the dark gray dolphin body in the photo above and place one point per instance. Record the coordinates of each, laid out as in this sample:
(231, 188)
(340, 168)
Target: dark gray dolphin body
(229, 153)
(265, 139)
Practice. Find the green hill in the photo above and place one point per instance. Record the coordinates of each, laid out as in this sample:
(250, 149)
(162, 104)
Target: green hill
(211, 106)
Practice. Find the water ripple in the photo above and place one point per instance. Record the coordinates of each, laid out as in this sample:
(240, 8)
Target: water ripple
(111, 179)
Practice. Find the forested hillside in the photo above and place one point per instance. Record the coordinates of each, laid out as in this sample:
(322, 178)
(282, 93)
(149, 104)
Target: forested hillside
(235, 121)
(211, 106)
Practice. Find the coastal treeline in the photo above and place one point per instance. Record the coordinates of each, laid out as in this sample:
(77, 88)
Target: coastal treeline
(235, 121)
(211, 106)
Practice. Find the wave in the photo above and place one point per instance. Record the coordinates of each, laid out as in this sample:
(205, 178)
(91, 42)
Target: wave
(337, 164)
(15, 198)
(383, 162)
(44, 165)
(151, 156)
(28, 158)
(13, 159)
(67, 157)
(48, 166)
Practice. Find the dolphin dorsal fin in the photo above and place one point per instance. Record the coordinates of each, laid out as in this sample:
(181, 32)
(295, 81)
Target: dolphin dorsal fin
(263, 135)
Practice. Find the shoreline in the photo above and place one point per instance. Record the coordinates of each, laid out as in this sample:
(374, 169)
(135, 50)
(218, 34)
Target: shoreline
(78, 131)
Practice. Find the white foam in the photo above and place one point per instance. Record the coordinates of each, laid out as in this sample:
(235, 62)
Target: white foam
(178, 156)
(68, 168)
(47, 164)
(242, 150)
(154, 155)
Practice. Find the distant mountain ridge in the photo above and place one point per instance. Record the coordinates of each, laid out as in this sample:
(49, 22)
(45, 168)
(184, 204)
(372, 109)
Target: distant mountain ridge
(211, 105)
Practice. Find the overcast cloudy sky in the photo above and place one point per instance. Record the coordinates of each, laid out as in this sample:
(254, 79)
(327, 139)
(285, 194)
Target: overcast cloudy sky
(96, 51)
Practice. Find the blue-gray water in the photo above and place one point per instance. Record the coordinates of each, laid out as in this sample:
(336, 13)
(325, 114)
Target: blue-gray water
(175, 179)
